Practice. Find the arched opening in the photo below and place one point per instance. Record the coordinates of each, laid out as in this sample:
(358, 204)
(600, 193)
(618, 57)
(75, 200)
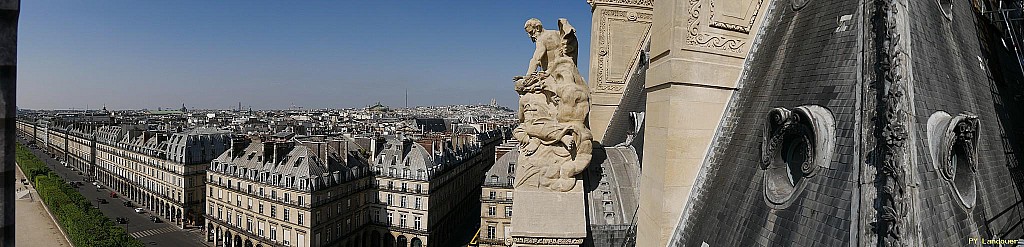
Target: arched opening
(209, 232)
(248, 243)
(238, 241)
(389, 240)
(226, 239)
(375, 239)
(416, 242)
(402, 241)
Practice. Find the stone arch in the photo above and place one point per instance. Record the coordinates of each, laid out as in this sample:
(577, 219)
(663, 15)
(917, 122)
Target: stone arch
(375, 239)
(248, 243)
(227, 238)
(389, 240)
(238, 241)
(402, 241)
(416, 242)
(210, 232)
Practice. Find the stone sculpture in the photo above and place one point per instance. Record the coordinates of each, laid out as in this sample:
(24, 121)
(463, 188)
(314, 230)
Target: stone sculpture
(555, 143)
(551, 44)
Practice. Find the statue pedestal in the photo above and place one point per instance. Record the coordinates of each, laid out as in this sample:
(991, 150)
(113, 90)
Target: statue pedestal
(547, 218)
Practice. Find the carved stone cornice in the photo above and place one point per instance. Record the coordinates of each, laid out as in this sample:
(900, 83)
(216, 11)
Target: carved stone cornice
(716, 41)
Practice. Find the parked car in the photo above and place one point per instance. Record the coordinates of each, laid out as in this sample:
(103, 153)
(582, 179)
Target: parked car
(101, 200)
(154, 219)
(139, 210)
(128, 204)
(113, 194)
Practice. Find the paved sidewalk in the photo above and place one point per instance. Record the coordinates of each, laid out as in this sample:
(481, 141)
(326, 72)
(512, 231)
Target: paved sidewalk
(35, 227)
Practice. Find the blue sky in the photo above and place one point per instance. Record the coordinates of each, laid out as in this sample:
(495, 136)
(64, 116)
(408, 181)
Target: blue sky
(273, 54)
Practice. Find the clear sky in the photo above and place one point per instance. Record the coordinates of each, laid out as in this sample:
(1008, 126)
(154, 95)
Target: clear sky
(273, 54)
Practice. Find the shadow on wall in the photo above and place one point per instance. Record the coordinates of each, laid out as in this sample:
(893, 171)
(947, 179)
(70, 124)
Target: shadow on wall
(1007, 79)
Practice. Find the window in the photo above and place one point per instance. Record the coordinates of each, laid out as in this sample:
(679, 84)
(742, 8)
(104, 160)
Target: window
(238, 201)
(273, 210)
(273, 233)
(220, 210)
(403, 186)
(287, 236)
(300, 218)
(404, 201)
(301, 200)
(390, 218)
(250, 203)
(490, 210)
(248, 224)
(401, 219)
(491, 195)
(494, 179)
(229, 217)
(261, 208)
(389, 199)
(418, 188)
(238, 220)
(261, 191)
(508, 211)
(418, 203)
(416, 222)
(287, 197)
(490, 231)
(391, 185)
(285, 214)
(508, 195)
(273, 194)
(261, 229)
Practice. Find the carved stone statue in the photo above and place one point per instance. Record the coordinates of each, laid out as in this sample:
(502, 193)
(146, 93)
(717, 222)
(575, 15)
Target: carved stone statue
(555, 144)
(551, 44)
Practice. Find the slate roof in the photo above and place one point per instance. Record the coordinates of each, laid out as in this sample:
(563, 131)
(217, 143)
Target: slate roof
(298, 167)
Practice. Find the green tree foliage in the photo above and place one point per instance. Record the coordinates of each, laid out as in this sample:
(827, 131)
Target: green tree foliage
(85, 225)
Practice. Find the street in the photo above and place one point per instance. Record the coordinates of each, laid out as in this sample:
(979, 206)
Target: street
(139, 225)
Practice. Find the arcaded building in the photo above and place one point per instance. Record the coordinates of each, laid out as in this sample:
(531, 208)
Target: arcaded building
(162, 172)
(288, 191)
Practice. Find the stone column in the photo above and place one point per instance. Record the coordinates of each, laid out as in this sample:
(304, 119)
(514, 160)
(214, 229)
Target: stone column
(697, 52)
(9, 11)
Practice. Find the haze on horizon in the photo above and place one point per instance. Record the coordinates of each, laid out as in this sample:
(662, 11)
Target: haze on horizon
(274, 55)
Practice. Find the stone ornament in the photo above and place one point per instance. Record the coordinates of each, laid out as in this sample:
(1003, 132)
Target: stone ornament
(796, 144)
(953, 144)
(555, 144)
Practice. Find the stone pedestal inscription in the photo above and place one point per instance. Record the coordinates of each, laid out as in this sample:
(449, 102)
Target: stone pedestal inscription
(555, 142)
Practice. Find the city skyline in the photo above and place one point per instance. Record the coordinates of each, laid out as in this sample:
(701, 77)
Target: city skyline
(275, 56)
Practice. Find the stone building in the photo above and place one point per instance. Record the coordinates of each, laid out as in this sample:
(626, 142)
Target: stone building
(789, 123)
(287, 191)
(163, 172)
(496, 197)
(428, 187)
